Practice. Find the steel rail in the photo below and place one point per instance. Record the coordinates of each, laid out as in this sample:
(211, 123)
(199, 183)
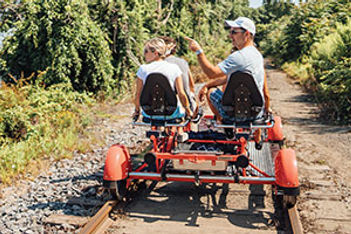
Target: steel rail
(295, 220)
(99, 219)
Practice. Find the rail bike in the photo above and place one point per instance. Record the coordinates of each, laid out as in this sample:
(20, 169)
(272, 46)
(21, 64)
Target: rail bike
(226, 152)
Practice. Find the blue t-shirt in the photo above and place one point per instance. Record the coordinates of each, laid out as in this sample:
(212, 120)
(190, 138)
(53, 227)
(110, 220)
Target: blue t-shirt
(246, 59)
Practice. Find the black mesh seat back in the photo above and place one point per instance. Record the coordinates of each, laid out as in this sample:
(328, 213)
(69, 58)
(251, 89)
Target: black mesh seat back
(157, 96)
(242, 99)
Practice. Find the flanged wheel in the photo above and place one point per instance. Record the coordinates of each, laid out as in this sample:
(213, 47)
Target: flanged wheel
(119, 191)
(289, 201)
(285, 201)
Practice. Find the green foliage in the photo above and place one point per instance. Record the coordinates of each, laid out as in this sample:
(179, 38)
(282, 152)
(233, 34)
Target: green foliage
(69, 39)
(273, 42)
(292, 36)
(60, 38)
(10, 12)
(331, 63)
(266, 17)
(94, 45)
(313, 42)
(35, 122)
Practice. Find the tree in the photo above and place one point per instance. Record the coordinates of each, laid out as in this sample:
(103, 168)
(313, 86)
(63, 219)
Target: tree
(59, 40)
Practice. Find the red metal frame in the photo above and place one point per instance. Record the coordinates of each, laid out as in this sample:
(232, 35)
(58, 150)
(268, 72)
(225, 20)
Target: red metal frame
(158, 178)
(162, 149)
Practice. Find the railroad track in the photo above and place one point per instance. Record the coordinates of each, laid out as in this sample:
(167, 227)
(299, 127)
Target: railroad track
(106, 216)
(101, 221)
(295, 222)
(108, 213)
(315, 191)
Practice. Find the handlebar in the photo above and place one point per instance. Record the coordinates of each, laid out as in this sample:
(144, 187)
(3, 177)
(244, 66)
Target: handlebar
(252, 126)
(269, 124)
(134, 123)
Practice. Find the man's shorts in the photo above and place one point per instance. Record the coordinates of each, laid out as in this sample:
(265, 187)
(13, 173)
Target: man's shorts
(216, 100)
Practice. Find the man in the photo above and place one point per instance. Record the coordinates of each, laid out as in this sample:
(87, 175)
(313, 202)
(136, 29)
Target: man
(245, 58)
(188, 81)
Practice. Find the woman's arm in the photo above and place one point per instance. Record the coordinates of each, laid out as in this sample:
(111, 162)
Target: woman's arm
(212, 71)
(182, 96)
(139, 88)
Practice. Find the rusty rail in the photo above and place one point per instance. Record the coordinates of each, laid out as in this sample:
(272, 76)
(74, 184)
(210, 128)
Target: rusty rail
(100, 221)
(295, 221)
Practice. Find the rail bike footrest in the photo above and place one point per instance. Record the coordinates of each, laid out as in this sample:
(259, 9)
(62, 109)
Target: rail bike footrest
(261, 159)
(183, 137)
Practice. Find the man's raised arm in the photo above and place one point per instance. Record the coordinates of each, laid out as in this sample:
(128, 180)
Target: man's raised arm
(209, 69)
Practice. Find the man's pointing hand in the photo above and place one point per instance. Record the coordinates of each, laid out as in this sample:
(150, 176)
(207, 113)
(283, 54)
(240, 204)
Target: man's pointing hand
(193, 45)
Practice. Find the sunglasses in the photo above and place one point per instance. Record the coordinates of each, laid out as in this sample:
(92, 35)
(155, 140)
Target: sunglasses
(146, 50)
(232, 32)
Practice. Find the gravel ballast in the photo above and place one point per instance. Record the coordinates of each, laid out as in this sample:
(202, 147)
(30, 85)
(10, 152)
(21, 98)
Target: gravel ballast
(25, 207)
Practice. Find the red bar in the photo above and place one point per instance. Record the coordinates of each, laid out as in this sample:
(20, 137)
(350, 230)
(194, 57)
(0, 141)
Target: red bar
(141, 167)
(154, 140)
(259, 170)
(202, 180)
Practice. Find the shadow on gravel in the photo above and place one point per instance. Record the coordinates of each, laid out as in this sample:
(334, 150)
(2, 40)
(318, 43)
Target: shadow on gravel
(186, 203)
(76, 197)
(311, 118)
(317, 127)
(95, 176)
(305, 98)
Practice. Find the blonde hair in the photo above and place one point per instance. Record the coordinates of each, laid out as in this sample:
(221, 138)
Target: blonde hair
(158, 45)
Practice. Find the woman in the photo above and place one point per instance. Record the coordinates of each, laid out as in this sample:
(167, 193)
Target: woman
(154, 53)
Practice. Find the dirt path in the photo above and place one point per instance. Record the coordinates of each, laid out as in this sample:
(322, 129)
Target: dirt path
(323, 158)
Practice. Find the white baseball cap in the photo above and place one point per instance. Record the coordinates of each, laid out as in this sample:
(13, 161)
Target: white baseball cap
(242, 22)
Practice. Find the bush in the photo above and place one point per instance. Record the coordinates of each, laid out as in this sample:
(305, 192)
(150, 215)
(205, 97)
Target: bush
(313, 42)
(60, 38)
(331, 62)
(36, 122)
(292, 36)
